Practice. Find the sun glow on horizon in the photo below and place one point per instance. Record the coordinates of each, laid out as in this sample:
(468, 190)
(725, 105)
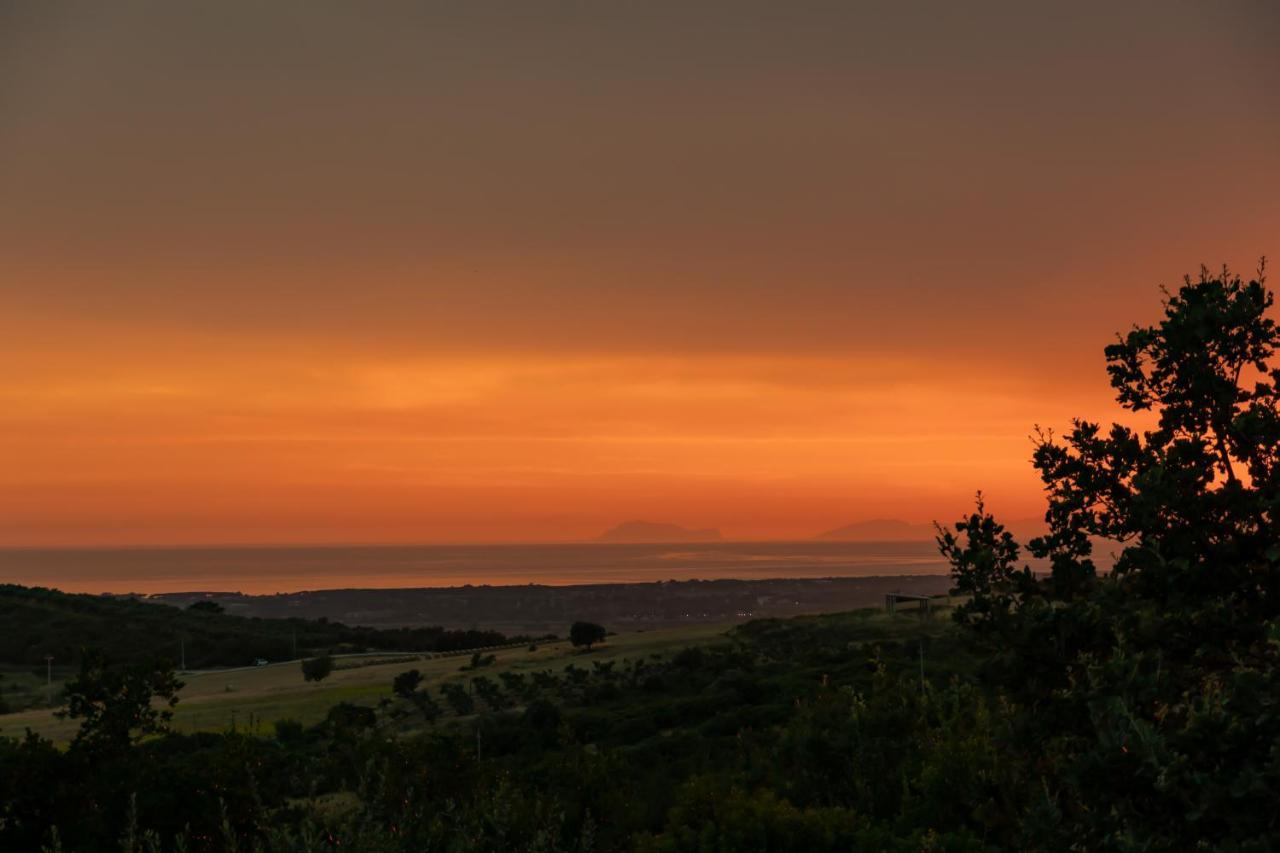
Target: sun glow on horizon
(281, 274)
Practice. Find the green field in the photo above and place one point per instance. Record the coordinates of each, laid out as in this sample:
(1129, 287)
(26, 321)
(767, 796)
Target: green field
(25, 687)
(253, 699)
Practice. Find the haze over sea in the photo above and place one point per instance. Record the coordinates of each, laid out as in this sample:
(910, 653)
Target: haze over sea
(265, 570)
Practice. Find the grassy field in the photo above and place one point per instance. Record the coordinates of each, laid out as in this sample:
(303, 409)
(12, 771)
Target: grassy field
(253, 699)
(23, 687)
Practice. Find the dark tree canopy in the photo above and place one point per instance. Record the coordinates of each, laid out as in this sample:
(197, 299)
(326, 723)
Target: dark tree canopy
(117, 705)
(36, 621)
(406, 683)
(1192, 502)
(586, 634)
(1130, 680)
(317, 669)
(429, 708)
(205, 606)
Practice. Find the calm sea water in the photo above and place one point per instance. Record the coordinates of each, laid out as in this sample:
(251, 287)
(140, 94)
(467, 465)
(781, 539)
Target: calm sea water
(290, 569)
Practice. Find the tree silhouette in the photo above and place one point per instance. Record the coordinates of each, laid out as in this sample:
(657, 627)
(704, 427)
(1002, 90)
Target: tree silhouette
(205, 606)
(117, 705)
(586, 634)
(406, 683)
(317, 669)
(1142, 690)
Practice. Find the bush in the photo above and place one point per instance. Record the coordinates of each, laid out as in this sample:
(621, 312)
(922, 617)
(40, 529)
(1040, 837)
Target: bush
(317, 669)
(586, 634)
(347, 716)
(542, 715)
(406, 683)
(288, 730)
(427, 706)
(479, 660)
(205, 606)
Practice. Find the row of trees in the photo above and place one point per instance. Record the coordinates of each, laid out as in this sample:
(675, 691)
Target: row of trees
(509, 688)
(319, 668)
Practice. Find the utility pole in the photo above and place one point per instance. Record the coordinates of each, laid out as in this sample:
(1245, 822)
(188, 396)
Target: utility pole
(48, 677)
(182, 644)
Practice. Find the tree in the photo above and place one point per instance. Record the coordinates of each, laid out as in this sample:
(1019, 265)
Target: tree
(586, 634)
(1141, 691)
(204, 605)
(317, 669)
(117, 705)
(430, 709)
(288, 730)
(406, 683)
(489, 691)
(479, 660)
(542, 715)
(458, 698)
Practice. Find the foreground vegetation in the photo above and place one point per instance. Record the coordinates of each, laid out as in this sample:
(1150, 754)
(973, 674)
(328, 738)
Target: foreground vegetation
(591, 754)
(1133, 711)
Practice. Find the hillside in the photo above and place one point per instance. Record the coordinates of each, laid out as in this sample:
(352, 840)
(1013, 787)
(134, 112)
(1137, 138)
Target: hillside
(538, 609)
(609, 750)
(214, 700)
(39, 622)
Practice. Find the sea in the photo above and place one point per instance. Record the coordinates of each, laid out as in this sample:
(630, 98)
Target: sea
(278, 569)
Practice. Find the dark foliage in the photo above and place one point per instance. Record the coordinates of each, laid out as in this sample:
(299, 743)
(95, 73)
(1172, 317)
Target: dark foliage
(39, 622)
(588, 758)
(317, 669)
(1148, 694)
(586, 634)
(479, 660)
(205, 607)
(406, 683)
(117, 704)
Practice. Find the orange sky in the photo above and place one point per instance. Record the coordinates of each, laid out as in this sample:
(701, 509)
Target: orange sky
(306, 273)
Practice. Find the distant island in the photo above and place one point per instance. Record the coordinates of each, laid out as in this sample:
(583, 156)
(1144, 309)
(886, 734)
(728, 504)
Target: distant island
(880, 530)
(649, 531)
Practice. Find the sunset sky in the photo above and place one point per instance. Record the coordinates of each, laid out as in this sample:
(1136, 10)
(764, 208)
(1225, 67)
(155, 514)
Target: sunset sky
(415, 272)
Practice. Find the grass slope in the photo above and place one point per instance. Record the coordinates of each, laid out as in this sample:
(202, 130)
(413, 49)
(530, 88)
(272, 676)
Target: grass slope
(253, 699)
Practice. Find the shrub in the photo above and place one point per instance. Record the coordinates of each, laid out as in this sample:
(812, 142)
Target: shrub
(406, 683)
(586, 634)
(317, 669)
